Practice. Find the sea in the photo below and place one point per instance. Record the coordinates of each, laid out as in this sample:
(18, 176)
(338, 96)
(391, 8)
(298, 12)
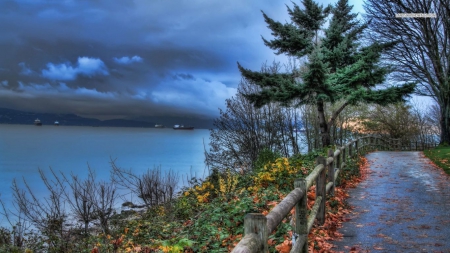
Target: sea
(24, 149)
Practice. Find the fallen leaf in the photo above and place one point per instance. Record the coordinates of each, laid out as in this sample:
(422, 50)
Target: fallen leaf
(284, 247)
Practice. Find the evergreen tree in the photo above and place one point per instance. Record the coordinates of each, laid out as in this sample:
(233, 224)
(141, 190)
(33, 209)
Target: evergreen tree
(338, 67)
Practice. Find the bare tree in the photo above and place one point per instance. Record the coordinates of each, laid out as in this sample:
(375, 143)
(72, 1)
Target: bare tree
(152, 187)
(242, 131)
(346, 124)
(15, 237)
(341, 130)
(426, 120)
(434, 117)
(310, 127)
(103, 198)
(81, 198)
(49, 214)
(422, 53)
(90, 200)
(402, 121)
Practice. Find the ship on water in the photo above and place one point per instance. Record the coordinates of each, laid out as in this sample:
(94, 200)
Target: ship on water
(159, 126)
(182, 127)
(56, 123)
(37, 122)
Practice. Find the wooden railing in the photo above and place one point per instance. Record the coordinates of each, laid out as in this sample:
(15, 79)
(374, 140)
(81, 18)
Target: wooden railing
(414, 145)
(257, 227)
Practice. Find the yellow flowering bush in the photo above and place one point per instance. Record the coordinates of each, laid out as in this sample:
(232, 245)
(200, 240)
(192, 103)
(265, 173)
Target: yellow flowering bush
(177, 247)
(227, 184)
(276, 172)
(160, 210)
(200, 192)
(203, 198)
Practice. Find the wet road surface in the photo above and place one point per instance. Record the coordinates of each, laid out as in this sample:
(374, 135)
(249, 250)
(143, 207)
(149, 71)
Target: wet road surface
(402, 206)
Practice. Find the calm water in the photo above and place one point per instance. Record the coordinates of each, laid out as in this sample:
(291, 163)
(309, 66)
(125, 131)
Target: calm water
(24, 149)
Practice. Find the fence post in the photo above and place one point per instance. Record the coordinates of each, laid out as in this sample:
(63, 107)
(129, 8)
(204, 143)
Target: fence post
(321, 189)
(344, 152)
(256, 223)
(301, 211)
(350, 150)
(338, 162)
(331, 167)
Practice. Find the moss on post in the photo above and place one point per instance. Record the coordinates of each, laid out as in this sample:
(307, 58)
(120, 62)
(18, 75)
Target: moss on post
(321, 190)
(301, 221)
(256, 223)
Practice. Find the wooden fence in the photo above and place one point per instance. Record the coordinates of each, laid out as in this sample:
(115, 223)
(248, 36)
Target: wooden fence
(257, 227)
(415, 145)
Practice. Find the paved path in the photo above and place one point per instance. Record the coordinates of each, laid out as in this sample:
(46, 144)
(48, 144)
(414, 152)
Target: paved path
(402, 206)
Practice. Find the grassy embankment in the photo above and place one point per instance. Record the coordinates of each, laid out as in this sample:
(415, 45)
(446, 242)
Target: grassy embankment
(209, 215)
(440, 156)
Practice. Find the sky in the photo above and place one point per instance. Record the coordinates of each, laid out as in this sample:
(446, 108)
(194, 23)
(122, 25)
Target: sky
(131, 58)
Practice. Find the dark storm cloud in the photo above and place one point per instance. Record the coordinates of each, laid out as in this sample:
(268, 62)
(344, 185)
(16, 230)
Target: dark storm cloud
(125, 58)
(182, 76)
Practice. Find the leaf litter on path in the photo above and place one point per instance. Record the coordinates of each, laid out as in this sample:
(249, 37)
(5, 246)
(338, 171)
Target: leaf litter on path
(414, 207)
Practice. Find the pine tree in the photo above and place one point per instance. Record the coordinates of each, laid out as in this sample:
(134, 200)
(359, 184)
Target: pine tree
(338, 67)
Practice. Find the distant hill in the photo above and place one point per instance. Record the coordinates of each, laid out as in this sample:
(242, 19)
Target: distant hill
(10, 116)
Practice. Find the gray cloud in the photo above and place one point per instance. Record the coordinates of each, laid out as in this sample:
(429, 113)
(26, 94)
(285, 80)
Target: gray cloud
(25, 70)
(104, 58)
(183, 76)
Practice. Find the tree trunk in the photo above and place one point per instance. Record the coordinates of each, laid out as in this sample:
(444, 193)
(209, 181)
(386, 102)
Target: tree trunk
(445, 122)
(323, 125)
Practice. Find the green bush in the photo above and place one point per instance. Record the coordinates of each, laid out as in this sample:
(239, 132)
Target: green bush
(264, 157)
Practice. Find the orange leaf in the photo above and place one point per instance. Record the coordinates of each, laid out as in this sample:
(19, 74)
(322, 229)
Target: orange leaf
(284, 247)
(311, 195)
(272, 203)
(271, 242)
